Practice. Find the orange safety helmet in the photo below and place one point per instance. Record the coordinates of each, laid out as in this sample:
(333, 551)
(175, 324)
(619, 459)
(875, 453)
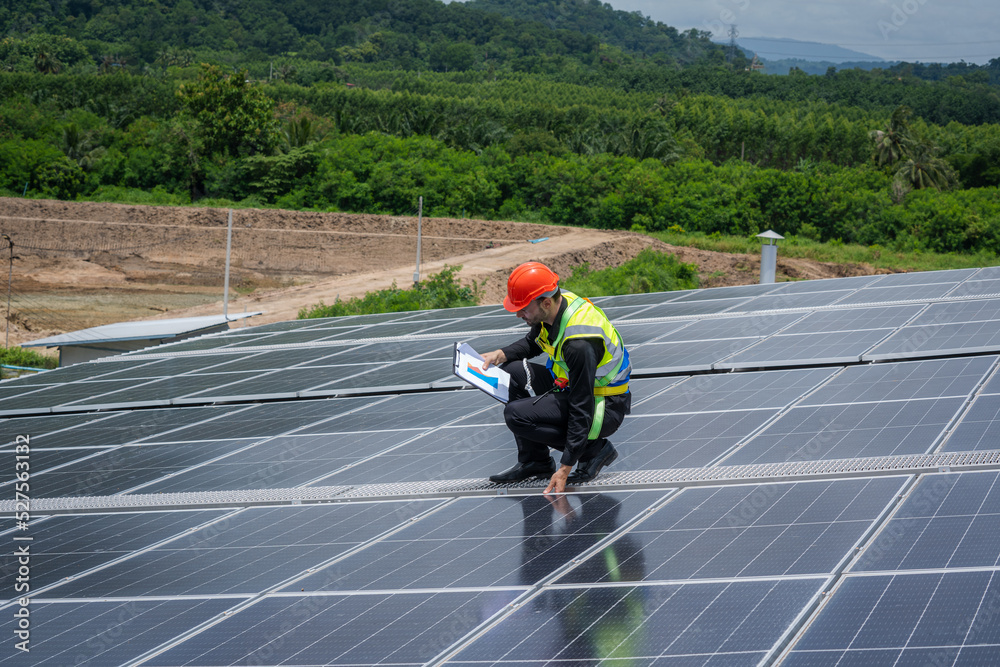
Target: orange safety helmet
(527, 282)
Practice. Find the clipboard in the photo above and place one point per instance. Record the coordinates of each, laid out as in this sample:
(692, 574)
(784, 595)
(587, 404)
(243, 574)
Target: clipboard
(468, 366)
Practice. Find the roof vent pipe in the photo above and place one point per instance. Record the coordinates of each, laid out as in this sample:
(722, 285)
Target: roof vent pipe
(769, 256)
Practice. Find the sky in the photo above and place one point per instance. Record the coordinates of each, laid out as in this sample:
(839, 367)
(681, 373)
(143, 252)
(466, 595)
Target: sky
(911, 30)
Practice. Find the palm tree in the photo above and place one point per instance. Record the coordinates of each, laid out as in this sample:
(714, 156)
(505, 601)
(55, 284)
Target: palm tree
(924, 169)
(299, 133)
(47, 63)
(80, 147)
(894, 142)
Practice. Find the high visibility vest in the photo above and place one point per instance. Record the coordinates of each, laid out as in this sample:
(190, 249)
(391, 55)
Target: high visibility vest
(582, 319)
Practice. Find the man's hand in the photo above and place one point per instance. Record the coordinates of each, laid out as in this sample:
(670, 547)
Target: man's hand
(558, 482)
(494, 358)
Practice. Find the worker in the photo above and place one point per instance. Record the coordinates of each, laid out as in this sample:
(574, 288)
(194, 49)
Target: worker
(576, 400)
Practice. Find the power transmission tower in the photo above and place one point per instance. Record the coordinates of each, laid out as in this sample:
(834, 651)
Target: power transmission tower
(733, 34)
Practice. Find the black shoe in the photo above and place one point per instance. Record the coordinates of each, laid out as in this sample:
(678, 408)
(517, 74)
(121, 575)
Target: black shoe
(589, 469)
(524, 471)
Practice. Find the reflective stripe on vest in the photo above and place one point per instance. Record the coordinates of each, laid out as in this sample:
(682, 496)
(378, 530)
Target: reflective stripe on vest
(582, 319)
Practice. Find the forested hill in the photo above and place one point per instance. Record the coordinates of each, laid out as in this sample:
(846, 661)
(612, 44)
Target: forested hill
(410, 34)
(630, 31)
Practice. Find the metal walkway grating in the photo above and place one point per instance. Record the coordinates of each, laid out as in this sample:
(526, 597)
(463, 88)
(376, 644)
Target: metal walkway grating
(609, 481)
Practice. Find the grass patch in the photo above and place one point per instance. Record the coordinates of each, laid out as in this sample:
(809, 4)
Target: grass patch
(440, 290)
(649, 271)
(18, 356)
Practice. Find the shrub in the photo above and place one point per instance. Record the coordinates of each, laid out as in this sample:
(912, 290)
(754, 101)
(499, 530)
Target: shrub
(440, 290)
(650, 271)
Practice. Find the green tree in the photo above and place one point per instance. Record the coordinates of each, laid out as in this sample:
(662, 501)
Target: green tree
(894, 142)
(80, 146)
(924, 169)
(46, 62)
(235, 116)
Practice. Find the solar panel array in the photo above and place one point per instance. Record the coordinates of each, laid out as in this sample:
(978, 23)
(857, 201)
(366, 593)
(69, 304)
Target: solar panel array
(809, 477)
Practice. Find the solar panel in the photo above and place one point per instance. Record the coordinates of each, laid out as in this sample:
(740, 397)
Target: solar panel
(905, 619)
(474, 543)
(58, 394)
(292, 337)
(749, 531)
(407, 456)
(976, 288)
(805, 349)
(986, 273)
(689, 308)
(244, 552)
(279, 462)
(336, 629)
(850, 431)
(980, 310)
(726, 293)
(128, 467)
(163, 389)
(926, 277)
(854, 319)
(658, 358)
(891, 382)
(738, 525)
(673, 624)
(634, 334)
(825, 285)
(947, 521)
(64, 546)
(936, 340)
(109, 632)
(732, 327)
(794, 300)
(979, 428)
(684, 440)
(741, 391)
(881, 293)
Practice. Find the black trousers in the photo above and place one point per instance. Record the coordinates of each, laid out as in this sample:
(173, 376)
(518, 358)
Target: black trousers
(539, 422)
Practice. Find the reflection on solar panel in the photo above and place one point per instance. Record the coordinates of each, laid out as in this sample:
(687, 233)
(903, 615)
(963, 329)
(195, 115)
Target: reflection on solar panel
(806, 478)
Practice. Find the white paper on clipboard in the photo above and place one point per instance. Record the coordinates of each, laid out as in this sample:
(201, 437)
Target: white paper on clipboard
(469, 367)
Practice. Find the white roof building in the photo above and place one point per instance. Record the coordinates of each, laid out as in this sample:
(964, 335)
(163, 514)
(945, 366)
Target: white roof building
(110, 339)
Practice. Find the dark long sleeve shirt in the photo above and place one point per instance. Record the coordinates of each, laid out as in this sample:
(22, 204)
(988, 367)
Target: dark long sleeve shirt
(581, 356)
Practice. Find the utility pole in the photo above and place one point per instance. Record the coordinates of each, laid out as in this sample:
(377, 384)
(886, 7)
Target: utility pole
(229, 249)
(733, 34)
(10, 276)
(420, 215)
